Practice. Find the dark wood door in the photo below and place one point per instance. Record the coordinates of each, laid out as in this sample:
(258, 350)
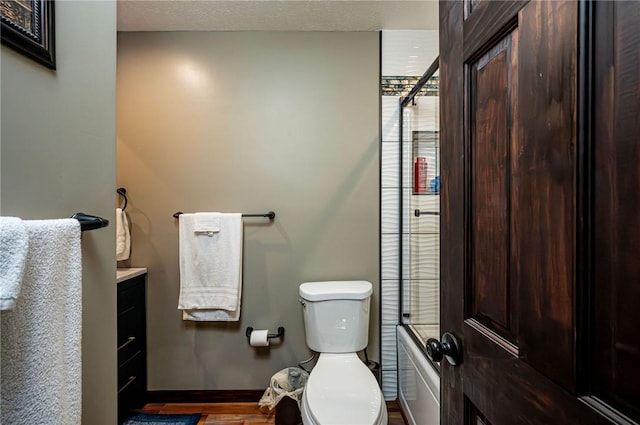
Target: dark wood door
(540, 215)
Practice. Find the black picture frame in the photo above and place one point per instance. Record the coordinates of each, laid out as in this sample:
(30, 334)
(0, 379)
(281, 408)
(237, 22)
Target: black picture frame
(28, 26)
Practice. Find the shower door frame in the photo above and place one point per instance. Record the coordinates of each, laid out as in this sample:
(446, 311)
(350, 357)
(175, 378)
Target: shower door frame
(404, 102)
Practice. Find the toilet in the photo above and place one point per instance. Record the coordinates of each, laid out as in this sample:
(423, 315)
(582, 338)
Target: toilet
(341, 389)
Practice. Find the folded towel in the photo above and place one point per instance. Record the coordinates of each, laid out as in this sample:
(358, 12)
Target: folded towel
(123, 238)
(14, 243)
(40, 369)
(210, 266)
(206, 223)
(212, 315)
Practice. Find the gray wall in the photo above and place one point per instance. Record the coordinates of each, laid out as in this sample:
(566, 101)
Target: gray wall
(58, 157)
(249, 122)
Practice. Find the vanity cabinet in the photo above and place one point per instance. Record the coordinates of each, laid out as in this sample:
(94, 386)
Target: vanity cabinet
(132, 341)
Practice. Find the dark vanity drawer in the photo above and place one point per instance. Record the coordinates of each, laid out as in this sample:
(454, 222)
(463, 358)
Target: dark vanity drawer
(131, 294)
(131, 323)
(132, 345)
(131, 318)
(129, 348)
(132, 384)
(131, 333)
(131, 373)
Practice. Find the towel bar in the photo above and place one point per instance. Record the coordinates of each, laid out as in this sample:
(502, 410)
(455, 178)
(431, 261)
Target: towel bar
(270, 215)
(90, 222)
(418, 213)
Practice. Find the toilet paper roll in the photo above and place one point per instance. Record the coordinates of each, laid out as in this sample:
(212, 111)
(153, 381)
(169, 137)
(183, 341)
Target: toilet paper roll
(259, 338)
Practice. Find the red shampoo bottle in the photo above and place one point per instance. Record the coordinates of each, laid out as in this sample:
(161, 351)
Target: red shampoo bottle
(420, 175)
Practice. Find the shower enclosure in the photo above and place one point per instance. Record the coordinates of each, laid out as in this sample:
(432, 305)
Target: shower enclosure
(409, 244)
(420, 209)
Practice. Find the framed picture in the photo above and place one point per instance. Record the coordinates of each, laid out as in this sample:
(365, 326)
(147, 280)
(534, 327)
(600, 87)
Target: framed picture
(28, 27)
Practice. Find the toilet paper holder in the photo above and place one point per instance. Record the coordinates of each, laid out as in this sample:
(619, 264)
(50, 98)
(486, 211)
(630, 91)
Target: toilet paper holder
(280, 333)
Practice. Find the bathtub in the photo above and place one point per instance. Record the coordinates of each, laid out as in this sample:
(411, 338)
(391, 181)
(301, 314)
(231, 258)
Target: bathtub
(418, 383)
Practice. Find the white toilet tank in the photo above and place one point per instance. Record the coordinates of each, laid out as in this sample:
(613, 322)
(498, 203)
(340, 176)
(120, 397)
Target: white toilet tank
(336, 315)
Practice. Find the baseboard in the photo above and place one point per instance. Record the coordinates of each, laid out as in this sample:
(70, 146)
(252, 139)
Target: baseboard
(224, 396)
(204, 396)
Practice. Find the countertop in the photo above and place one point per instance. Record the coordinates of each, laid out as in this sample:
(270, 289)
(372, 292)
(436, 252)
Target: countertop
(129, 272)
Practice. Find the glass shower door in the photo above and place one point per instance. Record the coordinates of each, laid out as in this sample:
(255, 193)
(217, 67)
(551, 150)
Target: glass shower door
(420, 232)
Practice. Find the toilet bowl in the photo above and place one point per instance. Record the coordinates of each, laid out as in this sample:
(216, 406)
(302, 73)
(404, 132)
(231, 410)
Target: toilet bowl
(341, 389)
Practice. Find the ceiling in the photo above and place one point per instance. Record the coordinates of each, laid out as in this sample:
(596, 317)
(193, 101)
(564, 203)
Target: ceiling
(408, 52)
(276, 15)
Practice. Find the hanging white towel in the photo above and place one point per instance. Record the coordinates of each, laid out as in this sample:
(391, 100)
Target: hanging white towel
(210, 266)
(211, 315)
(40, 356)
(14, 243)
(123, 237)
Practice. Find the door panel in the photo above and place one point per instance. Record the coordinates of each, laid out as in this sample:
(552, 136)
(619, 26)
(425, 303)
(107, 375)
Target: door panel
(452, 213)
(513, 276)
(474, 417)
(490, 294)
(617, 202)
(487, 20)
(508, 391)
(543, 184)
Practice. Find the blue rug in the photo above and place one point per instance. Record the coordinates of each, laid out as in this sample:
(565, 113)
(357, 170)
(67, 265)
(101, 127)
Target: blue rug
(153, 419)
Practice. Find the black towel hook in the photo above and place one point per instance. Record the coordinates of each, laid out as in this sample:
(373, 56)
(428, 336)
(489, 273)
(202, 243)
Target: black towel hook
(123, 192)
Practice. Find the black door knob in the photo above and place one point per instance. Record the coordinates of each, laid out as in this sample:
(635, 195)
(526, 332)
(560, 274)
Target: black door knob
(449, 348)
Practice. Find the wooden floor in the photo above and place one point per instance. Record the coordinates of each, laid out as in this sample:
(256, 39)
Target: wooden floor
(240, 413)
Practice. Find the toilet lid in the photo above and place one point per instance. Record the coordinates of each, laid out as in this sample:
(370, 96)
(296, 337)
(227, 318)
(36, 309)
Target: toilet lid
(342, 391)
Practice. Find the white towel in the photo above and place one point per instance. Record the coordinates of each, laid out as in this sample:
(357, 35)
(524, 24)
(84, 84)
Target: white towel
(41, 364)
(207, 223)
(123, 237)
(210, 266)
(211, 315)
(14, 243)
